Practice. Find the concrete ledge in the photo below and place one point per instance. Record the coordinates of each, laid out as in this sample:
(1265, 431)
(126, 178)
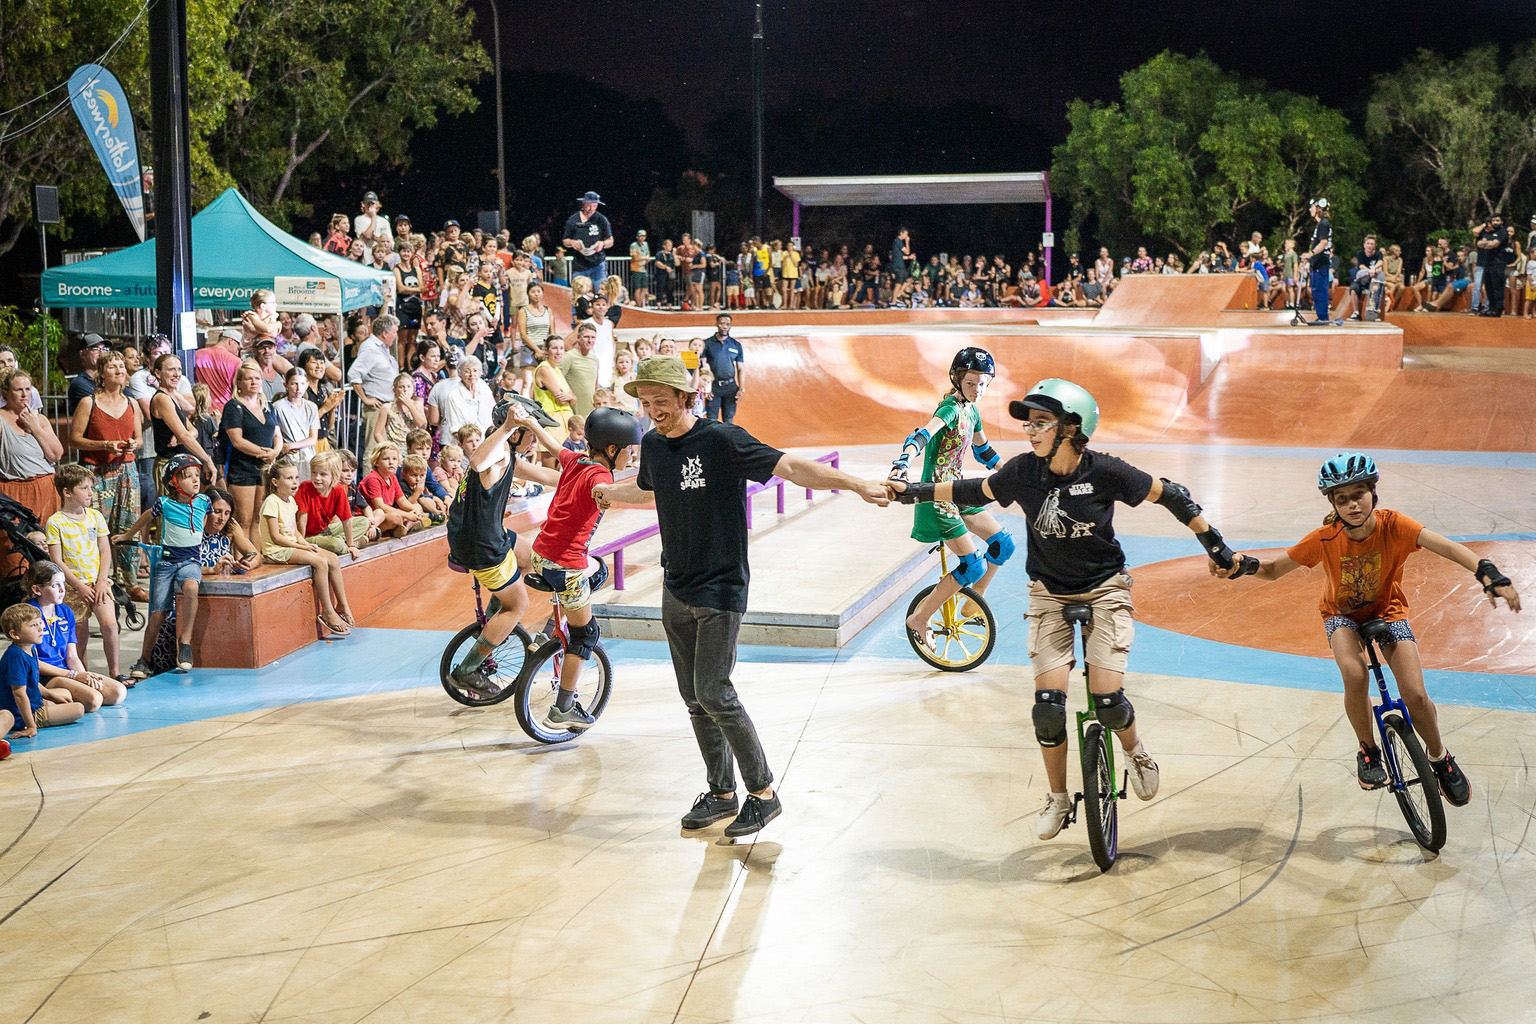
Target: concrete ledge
(252, 620)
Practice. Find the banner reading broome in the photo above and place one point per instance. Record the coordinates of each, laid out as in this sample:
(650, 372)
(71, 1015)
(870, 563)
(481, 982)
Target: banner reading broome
(102, 107)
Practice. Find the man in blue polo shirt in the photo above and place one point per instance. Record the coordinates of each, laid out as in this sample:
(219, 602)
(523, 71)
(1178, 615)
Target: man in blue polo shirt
(725, 357)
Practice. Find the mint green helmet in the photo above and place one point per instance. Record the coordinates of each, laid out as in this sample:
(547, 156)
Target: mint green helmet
(1062, 399)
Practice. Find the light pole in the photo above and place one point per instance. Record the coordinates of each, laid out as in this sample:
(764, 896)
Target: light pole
(757, 120)
(501, 149)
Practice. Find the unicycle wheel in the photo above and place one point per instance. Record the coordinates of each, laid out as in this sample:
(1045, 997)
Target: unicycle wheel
(964, 631)
(1100, 808)
(539, 686)
(1414, 783)
(499, 674)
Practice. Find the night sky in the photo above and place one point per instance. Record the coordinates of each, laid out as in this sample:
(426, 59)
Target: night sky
(1028, 59)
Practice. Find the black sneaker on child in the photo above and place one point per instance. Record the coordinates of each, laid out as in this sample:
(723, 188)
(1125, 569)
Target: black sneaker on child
(1373, 774)
(708, 809)
(755, 813)
(1453, 781)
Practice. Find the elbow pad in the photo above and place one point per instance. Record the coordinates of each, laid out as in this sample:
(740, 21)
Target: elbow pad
(1216, 547)
(1177, 499)
(918, 439)
(968, 493)
(985, 454)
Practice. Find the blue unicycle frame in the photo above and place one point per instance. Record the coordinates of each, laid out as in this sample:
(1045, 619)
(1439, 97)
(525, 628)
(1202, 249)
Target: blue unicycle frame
(1418, 793)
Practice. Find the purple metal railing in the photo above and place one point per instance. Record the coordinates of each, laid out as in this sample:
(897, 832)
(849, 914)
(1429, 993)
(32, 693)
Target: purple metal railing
(615, 548)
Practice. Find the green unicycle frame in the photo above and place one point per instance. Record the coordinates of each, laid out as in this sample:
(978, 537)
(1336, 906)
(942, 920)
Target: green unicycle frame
(1100, 795)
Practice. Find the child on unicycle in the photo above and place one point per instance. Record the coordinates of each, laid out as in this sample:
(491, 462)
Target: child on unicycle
(1068, 492)
(1362, 549)
(479, 541)
(940, 443)
(560, 556)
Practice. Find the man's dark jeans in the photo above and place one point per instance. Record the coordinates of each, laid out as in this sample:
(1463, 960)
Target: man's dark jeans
(703, 642)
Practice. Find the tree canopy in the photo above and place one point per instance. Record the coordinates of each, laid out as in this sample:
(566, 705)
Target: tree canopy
(1191, 153)
(283, 93)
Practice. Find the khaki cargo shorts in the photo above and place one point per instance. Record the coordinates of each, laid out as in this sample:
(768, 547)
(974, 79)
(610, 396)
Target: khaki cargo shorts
(1109, 637)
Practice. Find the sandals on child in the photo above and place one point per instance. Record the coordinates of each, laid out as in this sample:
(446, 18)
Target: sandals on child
(337, 629)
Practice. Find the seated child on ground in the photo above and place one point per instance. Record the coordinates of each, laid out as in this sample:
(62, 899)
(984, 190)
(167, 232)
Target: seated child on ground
(413, 482)
(282, 543)
(419, 442)
(382, 489)
(25, 706)
(64, 679)
(325, 515)
(355, 499)
(450, 469)
(78, 543)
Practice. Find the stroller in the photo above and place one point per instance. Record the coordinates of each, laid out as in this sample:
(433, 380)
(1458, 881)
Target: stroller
(19, 552)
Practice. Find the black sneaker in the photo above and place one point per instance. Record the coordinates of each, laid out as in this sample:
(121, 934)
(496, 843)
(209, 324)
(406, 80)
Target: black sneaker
(1453, 781)
(1373, 774)
(756, 813)
(708, 809)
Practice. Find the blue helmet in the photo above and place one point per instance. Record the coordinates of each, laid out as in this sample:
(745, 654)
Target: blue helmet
(1347, 468)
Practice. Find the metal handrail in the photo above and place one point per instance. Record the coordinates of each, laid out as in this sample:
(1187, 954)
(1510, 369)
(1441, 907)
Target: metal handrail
(615, 548)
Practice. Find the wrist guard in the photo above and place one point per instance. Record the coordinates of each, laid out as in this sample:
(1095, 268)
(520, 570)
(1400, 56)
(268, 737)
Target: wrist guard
(968, 493)
(1246, 566)
(902, 462)
(917, 490)
(985, 454)
(1489, 576)
(1216, 547)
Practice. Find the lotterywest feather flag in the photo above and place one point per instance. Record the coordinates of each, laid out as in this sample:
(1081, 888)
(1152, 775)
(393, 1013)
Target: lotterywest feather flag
(102, 107)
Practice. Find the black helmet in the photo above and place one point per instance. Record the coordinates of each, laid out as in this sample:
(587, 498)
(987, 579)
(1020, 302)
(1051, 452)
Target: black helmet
(968, 359)
(607, 425)
(175, 464)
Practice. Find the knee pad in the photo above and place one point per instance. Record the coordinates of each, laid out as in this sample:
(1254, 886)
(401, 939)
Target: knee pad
(969, 569)
(1113, 711)
(1000, 547)
(1050, 717)
(583, 640)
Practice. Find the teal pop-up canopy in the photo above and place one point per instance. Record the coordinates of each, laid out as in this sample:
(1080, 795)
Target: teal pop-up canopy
(235, 250)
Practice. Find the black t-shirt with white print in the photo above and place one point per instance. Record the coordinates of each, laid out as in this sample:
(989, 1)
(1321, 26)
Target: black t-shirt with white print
(700, 483)
(1072, 546)
(589, 232)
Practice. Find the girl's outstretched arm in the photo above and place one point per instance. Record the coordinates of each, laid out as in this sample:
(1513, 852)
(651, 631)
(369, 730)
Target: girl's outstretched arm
(1494, 583)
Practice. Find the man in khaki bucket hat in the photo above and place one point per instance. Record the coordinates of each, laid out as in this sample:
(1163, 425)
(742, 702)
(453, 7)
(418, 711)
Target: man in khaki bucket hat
(696, 471)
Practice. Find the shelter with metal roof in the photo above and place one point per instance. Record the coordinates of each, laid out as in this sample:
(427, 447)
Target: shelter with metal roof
(919, 190)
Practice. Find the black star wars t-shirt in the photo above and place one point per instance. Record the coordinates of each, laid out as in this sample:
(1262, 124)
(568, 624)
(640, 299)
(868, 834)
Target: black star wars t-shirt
(700, 483)
(1072, 546)
(588, 234)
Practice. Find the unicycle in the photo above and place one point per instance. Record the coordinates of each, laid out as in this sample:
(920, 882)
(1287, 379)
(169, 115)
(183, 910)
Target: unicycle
(501, 668)
(961, 641)
(1410, 777)
(539, 684)
(1100, 797)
